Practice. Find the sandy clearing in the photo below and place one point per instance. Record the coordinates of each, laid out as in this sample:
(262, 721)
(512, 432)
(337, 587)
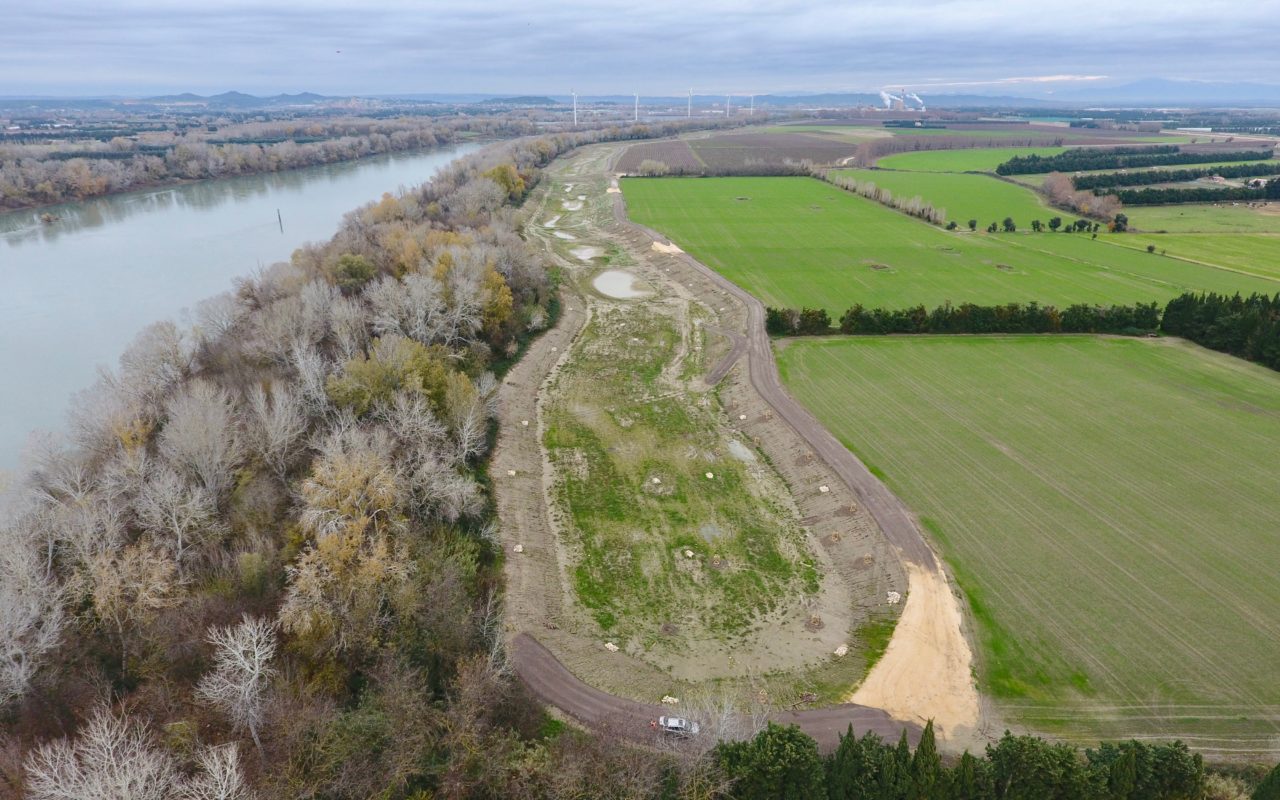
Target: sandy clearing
(571, 205)
(613, 190)
(667, 248)
(563, 235)
(551, 223)
(925, 672)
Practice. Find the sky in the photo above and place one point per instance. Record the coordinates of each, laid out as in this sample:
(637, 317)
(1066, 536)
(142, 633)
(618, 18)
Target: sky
(656, 47)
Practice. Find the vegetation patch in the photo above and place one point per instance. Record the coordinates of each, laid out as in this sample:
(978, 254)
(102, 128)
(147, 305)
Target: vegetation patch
(1107, 506)
(666, 528)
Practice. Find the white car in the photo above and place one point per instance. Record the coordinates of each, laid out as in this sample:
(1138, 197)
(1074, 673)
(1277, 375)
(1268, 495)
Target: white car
(677, 726)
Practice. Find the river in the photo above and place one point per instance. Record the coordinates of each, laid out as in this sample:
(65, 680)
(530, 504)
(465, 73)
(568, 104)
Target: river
(75, 292)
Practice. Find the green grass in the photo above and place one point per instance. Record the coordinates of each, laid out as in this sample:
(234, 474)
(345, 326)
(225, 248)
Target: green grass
(1109, 506)
(800, 242)
(1254, 253)
(964, 196)
(974, 159)
(613, 425)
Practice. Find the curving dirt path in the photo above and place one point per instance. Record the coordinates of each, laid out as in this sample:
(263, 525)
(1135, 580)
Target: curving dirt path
(926, 672)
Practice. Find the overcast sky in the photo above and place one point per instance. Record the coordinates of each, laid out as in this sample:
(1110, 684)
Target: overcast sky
(77, 47)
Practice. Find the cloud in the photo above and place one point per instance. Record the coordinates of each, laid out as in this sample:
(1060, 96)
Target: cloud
(657, 46)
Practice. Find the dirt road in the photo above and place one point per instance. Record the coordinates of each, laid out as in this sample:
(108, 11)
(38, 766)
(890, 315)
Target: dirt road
(537, 602)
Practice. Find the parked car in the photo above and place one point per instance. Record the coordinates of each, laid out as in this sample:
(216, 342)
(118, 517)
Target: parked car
(677, 726)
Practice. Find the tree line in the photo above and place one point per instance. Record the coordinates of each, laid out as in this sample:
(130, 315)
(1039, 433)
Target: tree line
(1246, 327)
(1198, 194)
(914, 206)
(43, 174)
(967, 318)
(782, 763)
(1084, 159)
(1107, 180)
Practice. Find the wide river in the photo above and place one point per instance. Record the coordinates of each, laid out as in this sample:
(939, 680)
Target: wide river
(75, 292)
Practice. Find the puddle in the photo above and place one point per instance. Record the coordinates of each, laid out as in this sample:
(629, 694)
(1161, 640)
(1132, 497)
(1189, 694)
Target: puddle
(740, 451)
(587, 252)
(563, 235)
(618, 284)
(574, 205)
(551, 223)
(710, 531)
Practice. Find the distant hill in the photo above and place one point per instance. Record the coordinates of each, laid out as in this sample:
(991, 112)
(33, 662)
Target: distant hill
(1165, 92)
(240, 100)
(522, 100)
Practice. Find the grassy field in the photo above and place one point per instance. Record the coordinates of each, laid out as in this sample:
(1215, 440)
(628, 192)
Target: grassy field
(963, 195)
(974, 159)
(1109, 507)
(1255, 253)
(801, 242)
(632, 457)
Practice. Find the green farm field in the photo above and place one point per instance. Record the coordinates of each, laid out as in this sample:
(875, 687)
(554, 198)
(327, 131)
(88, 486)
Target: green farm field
(975, 159)
(988, 199)
(964, 196)
(801, 242)
(1109, 507)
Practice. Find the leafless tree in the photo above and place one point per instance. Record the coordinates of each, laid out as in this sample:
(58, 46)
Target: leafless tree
(350, 331)
(219, 778)
(438, 491)
(129, 585)
(87, 526)
(318, 299)
(31, 617)
(112, 759)
(277, 424)
(218, 315)
(201, 436)
(177, 513)
(157, 359)
(313, 371)
(419, 433)
(242, 672)
(413, 308)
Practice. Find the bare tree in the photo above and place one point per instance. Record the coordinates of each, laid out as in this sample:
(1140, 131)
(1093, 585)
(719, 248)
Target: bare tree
(116, 758)
(31, 617)
(157, 360)
(413, 308)
(277, 426)
(313, 372)
(217, 315)
(201, 436)
(219, 778)
(242, 672)
(350, 331)
(178, 514)
(420, 434)
(112, 759)
(128, 586)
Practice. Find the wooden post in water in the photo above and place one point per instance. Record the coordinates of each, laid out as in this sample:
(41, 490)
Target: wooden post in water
(280, 219)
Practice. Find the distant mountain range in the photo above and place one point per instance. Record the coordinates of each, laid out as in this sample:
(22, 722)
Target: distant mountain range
(1165, 92)
(1149, 92)
(239, 100)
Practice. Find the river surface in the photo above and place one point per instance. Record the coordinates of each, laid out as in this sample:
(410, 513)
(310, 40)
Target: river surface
(75, 292)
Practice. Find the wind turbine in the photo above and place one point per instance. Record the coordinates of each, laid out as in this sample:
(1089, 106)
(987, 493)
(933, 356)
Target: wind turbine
(575, 107)
(752, 110)
(689, 113)
(637, 117)
(728, 104)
